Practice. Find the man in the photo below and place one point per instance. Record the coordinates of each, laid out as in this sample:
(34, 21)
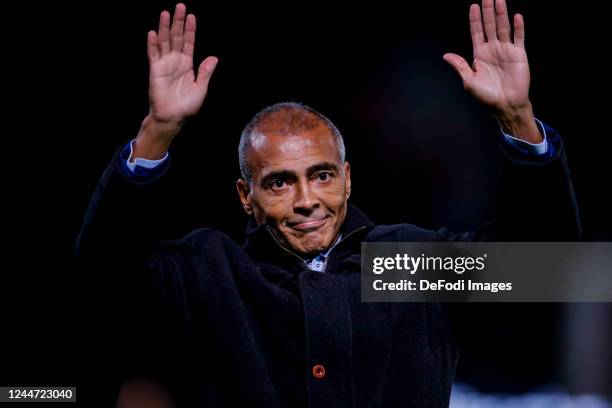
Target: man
(278, 321)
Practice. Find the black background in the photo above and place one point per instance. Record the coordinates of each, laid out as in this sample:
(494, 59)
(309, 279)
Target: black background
(421, 149)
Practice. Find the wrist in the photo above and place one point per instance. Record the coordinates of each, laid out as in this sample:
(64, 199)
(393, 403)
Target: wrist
(154, 138)
(520, 123)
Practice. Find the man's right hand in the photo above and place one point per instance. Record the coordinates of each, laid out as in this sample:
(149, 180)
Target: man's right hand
(175, 92)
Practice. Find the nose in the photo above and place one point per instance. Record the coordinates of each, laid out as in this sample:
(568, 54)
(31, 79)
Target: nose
(305, 200)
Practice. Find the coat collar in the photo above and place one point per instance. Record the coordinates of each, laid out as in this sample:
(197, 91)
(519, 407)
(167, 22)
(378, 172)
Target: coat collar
(261, 244)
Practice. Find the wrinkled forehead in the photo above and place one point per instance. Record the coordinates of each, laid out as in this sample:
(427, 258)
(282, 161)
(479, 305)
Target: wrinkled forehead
(274, 150)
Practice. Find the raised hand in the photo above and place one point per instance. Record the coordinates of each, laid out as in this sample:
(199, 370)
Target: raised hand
(499, 76)
(175, 90)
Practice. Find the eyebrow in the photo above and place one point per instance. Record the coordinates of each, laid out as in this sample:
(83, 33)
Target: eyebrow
(290, 174)
(321, 166)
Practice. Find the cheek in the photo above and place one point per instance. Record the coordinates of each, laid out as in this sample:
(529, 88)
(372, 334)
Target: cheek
(334, 196)
(270, 208)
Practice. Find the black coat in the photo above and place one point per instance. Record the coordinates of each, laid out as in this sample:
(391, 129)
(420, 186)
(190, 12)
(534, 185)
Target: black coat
(252, 320)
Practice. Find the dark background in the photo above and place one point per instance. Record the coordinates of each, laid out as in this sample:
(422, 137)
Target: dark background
(421, 151)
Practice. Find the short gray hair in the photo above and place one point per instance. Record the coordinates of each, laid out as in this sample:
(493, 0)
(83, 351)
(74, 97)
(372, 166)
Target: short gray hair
(286, 118)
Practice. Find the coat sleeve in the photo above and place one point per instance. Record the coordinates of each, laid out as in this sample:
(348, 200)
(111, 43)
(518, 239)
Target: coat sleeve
(536, 201)
(121, 223)
(121, 248)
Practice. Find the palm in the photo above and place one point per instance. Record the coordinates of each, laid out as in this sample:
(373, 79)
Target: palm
(499, 76)
(175, 92)
(502, 74)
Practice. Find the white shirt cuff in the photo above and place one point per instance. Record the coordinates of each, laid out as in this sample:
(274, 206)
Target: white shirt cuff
(534, 148)
(146, 163)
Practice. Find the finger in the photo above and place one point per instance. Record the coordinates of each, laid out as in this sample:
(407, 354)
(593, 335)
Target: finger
(205, 71)
(476, 29)
(460, 65)
(152, 50)
(488, 16)
(501, 19)
(519, 31)
(189, 37)
(178, 23)
(163, 34)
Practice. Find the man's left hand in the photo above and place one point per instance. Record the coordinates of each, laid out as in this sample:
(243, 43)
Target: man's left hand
(499, 77)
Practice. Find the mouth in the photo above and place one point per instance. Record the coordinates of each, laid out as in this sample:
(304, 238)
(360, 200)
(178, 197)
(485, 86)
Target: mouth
(311, 225)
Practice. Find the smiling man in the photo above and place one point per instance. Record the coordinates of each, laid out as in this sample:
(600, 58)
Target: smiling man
(294, 176)
(278, 321)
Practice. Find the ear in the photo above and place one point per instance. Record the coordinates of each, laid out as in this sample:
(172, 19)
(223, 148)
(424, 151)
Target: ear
(244, 192)
(347, 177)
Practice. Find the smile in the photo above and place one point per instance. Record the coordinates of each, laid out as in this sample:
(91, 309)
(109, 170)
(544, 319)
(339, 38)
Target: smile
(309, 225)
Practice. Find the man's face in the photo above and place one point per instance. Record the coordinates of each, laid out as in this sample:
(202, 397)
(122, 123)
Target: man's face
(300, 188)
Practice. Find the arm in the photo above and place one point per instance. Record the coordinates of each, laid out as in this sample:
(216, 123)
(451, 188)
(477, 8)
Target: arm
(499, 76)
(537, 200)
(123, 218)
(175, 91)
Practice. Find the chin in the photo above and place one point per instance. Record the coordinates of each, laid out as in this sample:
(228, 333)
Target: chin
(313, 245)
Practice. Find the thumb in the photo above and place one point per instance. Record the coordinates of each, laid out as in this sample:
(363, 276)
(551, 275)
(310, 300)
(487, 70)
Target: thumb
(205, 71)
(460, 65)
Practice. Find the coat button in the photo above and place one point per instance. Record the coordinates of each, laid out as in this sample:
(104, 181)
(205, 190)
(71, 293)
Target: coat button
(318, 371)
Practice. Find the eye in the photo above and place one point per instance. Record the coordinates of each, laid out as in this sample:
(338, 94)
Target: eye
(324, 176)
(277, 184)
